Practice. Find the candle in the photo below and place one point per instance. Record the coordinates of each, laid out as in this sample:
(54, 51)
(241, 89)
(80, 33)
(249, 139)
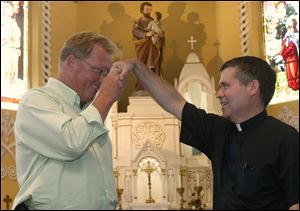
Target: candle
(181, 184)
(116, 173)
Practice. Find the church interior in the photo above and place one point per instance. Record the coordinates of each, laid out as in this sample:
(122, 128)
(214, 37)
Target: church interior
(152, 169)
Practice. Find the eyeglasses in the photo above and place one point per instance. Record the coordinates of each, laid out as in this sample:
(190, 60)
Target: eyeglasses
(101, 71)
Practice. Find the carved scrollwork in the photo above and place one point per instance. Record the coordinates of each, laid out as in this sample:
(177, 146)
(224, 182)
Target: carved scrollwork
(289, 118)
(7, 128)
(9, 171)
(46, 41)
(244, 28)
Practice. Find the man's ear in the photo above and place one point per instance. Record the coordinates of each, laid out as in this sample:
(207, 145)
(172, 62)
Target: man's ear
(70, 61)
(253, 87)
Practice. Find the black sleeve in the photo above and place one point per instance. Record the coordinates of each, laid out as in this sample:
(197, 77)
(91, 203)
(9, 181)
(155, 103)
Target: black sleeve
(198, 129)
(289, 167)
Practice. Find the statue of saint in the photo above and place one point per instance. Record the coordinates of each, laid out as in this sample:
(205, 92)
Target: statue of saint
(149, 40)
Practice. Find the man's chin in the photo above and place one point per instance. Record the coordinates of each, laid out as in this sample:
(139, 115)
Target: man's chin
(225, 115)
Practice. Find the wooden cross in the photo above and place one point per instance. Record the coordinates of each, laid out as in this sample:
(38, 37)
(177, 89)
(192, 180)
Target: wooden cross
(192, 41)
(7, 199)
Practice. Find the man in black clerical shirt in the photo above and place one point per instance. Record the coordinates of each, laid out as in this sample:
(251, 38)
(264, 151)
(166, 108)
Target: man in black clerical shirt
(255, 157)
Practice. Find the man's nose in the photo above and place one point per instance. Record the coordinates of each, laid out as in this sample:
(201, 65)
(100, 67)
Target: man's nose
(219, 93)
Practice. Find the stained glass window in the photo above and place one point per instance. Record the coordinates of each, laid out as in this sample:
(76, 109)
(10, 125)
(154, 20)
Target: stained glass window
(281, 35)
(14, 52)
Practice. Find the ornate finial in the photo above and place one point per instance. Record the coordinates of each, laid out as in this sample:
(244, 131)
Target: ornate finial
(192, 41)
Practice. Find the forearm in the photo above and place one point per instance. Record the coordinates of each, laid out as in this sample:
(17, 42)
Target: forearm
(112, 86)
(165, 94)
(102, 105)
(294, 207)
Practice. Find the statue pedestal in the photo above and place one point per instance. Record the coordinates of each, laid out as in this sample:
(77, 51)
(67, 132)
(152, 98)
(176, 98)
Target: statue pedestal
(144, 105)
(154, 206)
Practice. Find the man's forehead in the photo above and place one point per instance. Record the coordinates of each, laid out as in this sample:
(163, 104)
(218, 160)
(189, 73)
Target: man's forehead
(231, 70)
(228, 73)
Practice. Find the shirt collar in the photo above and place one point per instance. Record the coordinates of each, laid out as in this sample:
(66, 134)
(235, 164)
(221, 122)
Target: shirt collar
(256, 120)
(66, 92)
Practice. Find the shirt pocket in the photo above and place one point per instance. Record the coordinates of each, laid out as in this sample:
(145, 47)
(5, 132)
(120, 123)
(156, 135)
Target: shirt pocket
(256, 179)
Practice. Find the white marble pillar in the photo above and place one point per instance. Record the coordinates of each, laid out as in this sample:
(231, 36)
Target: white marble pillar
(164, 187)
(134, 184)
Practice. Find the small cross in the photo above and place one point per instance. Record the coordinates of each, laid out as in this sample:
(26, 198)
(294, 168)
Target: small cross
(217, 43)
(192, 41)
(7, 199)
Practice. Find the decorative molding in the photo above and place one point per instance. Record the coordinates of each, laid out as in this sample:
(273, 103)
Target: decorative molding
(46, 41)
(287, 117)
(9, 171)
(7, 127)
(244, 28)
(7, 146)
(148, 131)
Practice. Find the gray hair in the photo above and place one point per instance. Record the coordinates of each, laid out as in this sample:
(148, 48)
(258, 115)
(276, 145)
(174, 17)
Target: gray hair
(81, 45)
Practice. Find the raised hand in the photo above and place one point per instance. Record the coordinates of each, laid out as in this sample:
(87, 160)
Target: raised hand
(125, 66)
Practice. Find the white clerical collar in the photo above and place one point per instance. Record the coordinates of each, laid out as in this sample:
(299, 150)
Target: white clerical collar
(239, 128)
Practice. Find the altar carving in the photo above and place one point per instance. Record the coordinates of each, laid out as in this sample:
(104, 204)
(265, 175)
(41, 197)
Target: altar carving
(288, 117)
(148, 130)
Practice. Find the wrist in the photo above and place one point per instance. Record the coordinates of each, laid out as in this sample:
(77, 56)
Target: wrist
(132, 64)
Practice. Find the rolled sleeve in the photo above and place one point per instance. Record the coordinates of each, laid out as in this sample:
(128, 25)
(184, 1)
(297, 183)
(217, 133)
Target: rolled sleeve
(91, 114)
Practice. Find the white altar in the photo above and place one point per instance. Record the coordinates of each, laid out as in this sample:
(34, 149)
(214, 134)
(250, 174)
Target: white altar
(150, 163)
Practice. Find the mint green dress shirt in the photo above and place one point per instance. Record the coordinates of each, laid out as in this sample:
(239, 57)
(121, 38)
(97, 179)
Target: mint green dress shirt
(63, 152)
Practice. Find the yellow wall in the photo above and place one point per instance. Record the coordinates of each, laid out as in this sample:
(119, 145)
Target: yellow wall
(101, 17)
(64, 24)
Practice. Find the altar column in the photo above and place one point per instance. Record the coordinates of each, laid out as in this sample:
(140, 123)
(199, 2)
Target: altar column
(134, 184)
(163, 178)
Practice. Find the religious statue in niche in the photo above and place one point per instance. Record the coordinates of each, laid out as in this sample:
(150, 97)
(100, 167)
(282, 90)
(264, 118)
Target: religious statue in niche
(149, 40)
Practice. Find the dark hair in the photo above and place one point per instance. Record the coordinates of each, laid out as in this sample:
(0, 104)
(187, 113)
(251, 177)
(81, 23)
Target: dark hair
(159, 15)
(253, 68)
(143, 5)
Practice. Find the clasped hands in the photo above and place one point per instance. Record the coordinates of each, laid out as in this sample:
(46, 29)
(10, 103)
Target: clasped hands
(123, 67)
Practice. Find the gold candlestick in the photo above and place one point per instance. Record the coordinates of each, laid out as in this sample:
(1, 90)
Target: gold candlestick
(149, 169)
(198, 189)
(180, 191)
(117, 174)
(119, 192)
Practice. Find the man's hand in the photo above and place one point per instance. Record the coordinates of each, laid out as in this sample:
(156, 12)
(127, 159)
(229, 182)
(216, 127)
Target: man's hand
(112, 86)
(170, 99)
(125, 67)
